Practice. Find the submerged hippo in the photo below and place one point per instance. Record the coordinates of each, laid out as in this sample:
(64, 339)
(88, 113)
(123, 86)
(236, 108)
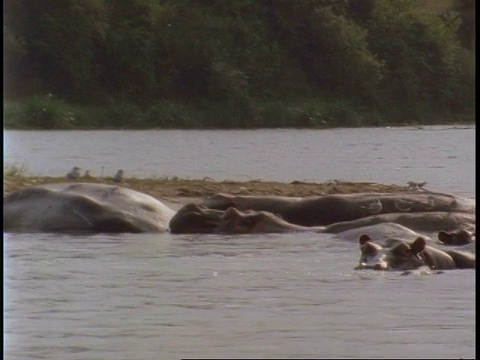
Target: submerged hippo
(251, 221)
(329, 209)
(410, 255)
(456, 238)
(193, 218)
(382, 232)
(83, 207)
(427, 222)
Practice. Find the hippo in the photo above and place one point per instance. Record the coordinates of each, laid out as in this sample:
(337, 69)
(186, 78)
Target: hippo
(456, 238)
(196, 218)
(329, 209)
(83, 207)
(251, 221)
(427, 222)
(382, 232)
(402, 255)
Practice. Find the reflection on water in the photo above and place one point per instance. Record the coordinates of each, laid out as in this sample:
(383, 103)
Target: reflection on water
(444, 156)
(284, 296)
(151, 296)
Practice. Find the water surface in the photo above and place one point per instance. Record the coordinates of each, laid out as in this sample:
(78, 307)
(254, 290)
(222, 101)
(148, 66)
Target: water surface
(164, 296)
(442, 155)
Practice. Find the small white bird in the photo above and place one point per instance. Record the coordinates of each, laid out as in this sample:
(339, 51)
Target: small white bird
(403, 205)
(374, 207)
(118, 176)
(74, 174)
(412, 185)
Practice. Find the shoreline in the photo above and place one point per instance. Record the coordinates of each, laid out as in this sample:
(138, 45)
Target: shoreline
(460, 122)
(181, 190)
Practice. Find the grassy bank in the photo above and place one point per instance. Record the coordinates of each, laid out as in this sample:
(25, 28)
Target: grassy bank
(50, 112)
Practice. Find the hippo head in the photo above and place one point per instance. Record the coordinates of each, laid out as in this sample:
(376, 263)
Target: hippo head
(401, 256)
(251, 221)
(460, 237)
(193, 219)
(248, 222)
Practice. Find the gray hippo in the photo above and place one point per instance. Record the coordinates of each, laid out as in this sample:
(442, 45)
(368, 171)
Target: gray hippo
(426, 222)
(83, 207)
(237, 222)
(193, 218)
(402, 255)
(251, 221)
(382, 232)
(329, 209)
(196, 218)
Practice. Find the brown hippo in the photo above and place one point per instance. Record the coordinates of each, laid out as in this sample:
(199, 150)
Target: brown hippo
(251, 221)
(409, 256)
(456, 238)
(329, 209)
(83, 207)
(195, 219)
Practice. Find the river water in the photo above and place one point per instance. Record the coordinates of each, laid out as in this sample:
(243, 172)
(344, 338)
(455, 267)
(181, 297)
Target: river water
(164, 296)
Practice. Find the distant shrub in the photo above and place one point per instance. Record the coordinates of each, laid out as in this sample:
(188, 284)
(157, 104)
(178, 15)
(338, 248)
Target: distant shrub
(40, 112)
(119, 114)
(168, 114)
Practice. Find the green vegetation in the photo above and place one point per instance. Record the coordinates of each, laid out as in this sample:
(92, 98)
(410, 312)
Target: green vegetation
(95, 64)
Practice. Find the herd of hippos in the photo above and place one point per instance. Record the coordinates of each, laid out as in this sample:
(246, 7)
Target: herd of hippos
(396, 231)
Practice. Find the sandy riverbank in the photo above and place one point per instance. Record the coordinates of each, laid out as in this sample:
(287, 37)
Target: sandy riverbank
(185, 189)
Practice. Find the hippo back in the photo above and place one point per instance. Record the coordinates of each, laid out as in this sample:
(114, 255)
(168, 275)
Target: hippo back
(84, 207)
(380, 232)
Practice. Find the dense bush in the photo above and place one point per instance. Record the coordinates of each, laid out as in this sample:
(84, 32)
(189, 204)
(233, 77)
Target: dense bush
(39, 112)
(236, 64)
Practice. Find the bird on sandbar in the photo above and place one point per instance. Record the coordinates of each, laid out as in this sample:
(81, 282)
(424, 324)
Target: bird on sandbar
(118, 176)
(412, 185)
(374, 207)
(403, 205)
(74, 174)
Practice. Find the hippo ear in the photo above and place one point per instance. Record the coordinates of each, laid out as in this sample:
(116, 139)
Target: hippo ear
(445, 237)
(364, 238)
(418, 245)
(232, 213)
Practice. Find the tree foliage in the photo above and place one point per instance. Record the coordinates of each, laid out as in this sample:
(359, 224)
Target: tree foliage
(237, 55)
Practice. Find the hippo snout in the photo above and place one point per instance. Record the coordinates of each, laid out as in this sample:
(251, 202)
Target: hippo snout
(381, 266)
